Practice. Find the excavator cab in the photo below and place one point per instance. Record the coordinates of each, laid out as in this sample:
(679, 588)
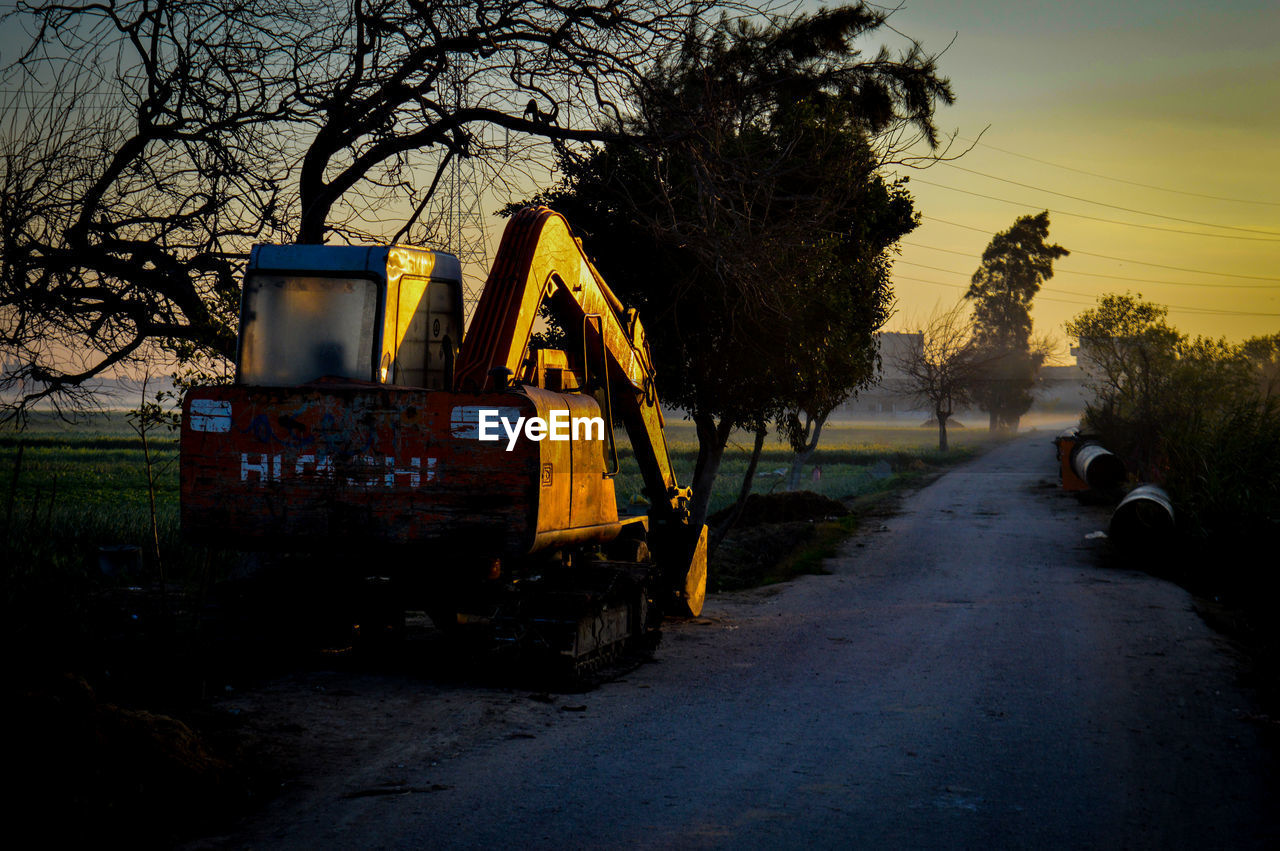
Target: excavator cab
(390, 315)
(343, 432)
(363, 429)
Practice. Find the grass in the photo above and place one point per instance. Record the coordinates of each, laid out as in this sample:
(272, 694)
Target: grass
(828, 536)
(767, 554)
(860, 464)
(76, 491)
(846, 456)
(83, 487)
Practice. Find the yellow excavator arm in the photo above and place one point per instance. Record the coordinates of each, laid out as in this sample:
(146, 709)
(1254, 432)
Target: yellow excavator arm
(540, 260)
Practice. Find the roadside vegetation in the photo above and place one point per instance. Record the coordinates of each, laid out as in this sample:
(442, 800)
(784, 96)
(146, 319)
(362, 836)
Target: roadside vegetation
(1198, 416)
(852, 460)
(1201, 418)
(856, 474)
(70, 497)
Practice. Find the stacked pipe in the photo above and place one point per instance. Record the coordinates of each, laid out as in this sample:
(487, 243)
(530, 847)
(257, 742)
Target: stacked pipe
(1145, 515)
(1087, 464)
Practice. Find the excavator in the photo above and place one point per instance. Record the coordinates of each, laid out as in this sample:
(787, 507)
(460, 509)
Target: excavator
(472, 476)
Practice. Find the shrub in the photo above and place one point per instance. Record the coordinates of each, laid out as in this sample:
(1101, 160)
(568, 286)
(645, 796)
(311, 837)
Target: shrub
(1194, 415)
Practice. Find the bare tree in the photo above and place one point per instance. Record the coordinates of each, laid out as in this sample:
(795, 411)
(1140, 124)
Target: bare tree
(146, 144)
(942, 365)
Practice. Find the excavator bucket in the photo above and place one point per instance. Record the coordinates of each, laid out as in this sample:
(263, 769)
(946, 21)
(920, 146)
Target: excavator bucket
(691, 588)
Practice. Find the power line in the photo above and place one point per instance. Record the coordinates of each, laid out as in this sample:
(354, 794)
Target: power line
(1122, 259)
(1096, 274)
(1068, 292)
(1085, 295)
(1024, 205)
(1206, 311)
(962, 287)
(1104, 203)
(1123, 180)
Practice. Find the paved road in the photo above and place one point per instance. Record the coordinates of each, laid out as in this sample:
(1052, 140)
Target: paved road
(969, 676)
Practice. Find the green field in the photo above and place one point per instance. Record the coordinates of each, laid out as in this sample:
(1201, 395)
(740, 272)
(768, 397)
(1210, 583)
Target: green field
(77, 488)
(82, 487)
(847, 456)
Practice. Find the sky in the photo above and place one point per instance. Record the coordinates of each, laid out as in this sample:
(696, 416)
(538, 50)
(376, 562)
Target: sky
(1149, 107)
(1089, 99)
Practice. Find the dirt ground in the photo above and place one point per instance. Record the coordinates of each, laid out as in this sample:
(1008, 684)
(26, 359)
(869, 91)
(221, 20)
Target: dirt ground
(262, 701)
(308, 729)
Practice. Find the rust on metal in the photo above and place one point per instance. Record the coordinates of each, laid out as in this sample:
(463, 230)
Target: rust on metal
(347, 465)
(1085, 464)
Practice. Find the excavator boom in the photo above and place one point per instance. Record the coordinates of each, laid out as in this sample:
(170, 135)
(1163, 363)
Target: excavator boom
(540, 260)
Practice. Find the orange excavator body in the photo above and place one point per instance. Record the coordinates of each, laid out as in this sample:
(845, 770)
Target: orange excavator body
(358, 423)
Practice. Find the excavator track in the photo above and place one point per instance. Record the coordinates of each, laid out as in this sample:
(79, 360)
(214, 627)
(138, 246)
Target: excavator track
(584, 675)
(577, 625)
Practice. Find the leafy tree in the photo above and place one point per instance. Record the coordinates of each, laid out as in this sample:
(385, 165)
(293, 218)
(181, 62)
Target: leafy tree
(1014, 265)
(752, 233)
(147, 145)
(1264, 353)
(1151, 381)
(1128, 352)
(852, 271)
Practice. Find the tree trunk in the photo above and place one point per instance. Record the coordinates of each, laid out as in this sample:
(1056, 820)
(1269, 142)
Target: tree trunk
(942, 430)
(717, 534)
(712, 437)
(802, 457)
(312, 193)
(994, 421)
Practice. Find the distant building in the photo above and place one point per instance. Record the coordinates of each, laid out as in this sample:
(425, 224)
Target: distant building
(892, 393)
(1061, 388)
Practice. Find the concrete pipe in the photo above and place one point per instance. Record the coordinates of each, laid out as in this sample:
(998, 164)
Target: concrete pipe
(1144, 516)
(1097, 465)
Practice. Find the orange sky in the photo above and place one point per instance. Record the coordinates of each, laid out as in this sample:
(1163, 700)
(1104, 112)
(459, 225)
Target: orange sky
(1144, 106)
(1183, 97)
(1139, 105)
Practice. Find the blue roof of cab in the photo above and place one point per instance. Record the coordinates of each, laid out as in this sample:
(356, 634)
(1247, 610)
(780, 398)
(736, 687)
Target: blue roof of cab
(367, 259)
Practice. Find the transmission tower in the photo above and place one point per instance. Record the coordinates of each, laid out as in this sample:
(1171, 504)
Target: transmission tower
(454, 218)
(460, 228)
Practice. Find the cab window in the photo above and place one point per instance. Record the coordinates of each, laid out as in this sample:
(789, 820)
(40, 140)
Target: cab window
(295, 329)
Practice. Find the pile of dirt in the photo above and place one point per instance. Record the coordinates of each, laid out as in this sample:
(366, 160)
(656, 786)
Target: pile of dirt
(751, 556)
(787, 507)
(90, 769)
(771, 528)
